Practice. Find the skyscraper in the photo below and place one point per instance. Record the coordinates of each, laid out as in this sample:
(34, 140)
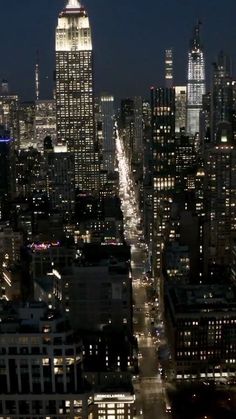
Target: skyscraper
(196, 82)
(180, 108)
(168, 68)
(222, 94)
(220, 164)
(138, 126)
(45, 122)
(108, 149)
(9, 106)
(60, 179)
(74, 93)
(163, 149)
(7, 175)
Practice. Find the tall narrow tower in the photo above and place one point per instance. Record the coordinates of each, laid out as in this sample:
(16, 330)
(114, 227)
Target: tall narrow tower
(74, 93)
(196, 82)
(37, 77)
(164, 166)
(168, 68)
(222, 108)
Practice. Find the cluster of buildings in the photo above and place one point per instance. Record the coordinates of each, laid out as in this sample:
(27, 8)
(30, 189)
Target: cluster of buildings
(66, 333)
(67, 346)
(185, 180)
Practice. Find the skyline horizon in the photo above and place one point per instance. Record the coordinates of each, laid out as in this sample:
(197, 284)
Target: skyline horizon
(117, 82)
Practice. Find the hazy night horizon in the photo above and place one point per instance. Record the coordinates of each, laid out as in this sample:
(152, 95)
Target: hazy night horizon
(129, 41)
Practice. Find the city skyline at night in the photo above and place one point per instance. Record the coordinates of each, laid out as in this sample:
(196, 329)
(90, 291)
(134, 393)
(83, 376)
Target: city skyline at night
(117, 209)
(139, 39)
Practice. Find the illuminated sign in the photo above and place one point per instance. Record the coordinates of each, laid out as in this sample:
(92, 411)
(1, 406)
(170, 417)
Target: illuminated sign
(126, 397)
(43, 246)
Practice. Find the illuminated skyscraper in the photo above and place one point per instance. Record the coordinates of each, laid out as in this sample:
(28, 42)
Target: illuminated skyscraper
(220, 166)
(74, 93)
(180, 108)
(168, 68)
(45, 122)
(7, 175)
(164, 166)
(108, 149)
(9, 107)
(222, 94)
(196, 82)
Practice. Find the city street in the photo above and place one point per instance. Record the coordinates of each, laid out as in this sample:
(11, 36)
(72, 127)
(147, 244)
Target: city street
(150, 401)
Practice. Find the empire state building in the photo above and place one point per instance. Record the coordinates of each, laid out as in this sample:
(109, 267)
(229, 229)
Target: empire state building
(74, 94)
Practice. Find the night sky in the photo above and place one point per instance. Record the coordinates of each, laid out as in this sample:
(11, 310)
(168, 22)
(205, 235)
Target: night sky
(129, 38)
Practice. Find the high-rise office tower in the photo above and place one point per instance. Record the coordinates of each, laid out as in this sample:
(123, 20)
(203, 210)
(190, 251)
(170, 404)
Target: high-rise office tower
(26, 115)
(9, 105)
(205, 121)
(163, 149)
(222, 94)
(127, 125)
(138, 125)
(220, 163)
(185, 163)
(108, 149)
(147, 173)
(168, 68)
(180, 108)
(74, 93)
(7, 175)
(195, 83)
(30, 173)
(45, 122)
(131, 122)
(60, 189)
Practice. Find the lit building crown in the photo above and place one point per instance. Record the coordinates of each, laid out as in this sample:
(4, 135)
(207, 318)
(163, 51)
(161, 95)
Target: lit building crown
(73, 29)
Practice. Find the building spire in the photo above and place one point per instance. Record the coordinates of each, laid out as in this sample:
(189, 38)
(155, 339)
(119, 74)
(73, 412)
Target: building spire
(196, 42)
(73, 4)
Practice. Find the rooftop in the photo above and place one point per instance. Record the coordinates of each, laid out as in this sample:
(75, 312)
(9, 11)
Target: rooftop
(202, 298)
(30, 317)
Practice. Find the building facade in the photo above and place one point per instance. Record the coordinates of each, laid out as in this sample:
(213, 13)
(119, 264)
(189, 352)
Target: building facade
(7, 175)
(107, 116)
(168, 68)
(180, 108)
(41, 365)
(74, 94)
(220, 163)
(222, 94)
(201, 330)
(195, 82)
(45, 122)
(163, 160)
